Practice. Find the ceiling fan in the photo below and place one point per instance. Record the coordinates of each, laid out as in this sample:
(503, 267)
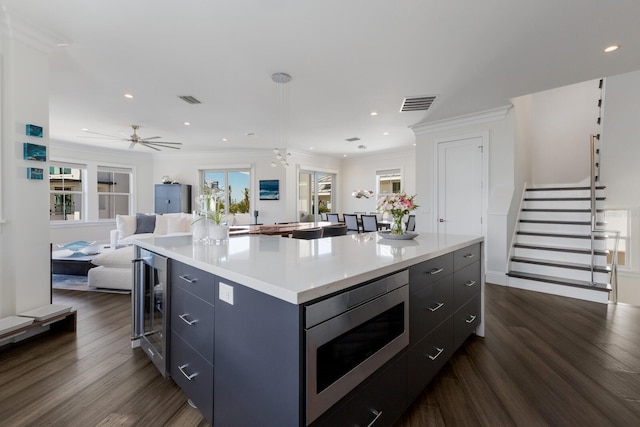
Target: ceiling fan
(135, 139)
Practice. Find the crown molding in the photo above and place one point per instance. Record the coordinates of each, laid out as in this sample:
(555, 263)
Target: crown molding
(14, 27)
(492, 115)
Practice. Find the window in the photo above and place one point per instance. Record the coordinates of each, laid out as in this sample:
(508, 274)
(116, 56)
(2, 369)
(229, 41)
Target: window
(66, 192)
(236, 185)
(618, 220)
(388, 181)
(315, 189)
(114, 192)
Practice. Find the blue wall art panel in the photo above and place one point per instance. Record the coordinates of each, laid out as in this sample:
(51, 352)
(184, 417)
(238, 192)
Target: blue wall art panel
(34, 152)
(270, 189)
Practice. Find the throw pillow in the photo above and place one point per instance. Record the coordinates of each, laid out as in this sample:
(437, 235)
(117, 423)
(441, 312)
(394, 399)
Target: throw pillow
(119, 258)
(161, 224)
(145, 223)
(126, 225)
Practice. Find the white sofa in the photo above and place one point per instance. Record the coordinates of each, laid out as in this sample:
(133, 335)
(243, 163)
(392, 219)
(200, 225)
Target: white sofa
(114, 269)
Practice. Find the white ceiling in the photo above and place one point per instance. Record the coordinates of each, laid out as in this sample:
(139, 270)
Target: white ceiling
(347, 59)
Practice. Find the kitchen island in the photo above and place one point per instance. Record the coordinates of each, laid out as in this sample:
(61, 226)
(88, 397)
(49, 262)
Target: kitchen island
(247, 331)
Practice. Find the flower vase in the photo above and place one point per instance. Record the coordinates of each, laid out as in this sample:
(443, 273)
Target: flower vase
(218, 233)
(200, 228)
(397, 225)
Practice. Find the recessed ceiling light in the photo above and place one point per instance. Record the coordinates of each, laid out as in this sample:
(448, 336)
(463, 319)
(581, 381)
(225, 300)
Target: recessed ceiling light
(386, 133)
(611, 48)
(85, 129)
(187, 123)
(310, 148)
(344, 155)
(414, 144)
(62, 44)
(374, 113)
(224, 139)
(128, 95)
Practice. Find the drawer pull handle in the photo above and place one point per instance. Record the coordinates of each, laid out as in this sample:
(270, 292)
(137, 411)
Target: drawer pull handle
(187, 376)
(437, 307)
(377, 414)
(436, 271)
(470, 283)
(469, 256)
(470, 319)
(186, 279)
(184, 319)
(440, 350)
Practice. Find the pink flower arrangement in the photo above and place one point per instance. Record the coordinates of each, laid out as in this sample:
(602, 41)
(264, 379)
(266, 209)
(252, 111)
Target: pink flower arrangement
(398, 205)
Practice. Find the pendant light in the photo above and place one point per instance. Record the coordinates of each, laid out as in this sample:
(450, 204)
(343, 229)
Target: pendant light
(282, 155)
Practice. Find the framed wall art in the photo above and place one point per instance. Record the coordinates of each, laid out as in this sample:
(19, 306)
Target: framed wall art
(34, 130)
(34, 152)
(269, 189)
(35, 173)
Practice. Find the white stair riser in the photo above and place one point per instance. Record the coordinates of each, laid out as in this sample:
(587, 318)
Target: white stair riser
(561, 273)
(559, 204)
(566, 291)
(554, 228)
(559, 216)
(559, 241)
(558, 256)
(562, 194)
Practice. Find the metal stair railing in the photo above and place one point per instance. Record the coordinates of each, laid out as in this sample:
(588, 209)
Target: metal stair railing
(599, 231)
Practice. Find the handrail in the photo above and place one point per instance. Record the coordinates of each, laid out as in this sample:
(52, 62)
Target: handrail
(595, 230)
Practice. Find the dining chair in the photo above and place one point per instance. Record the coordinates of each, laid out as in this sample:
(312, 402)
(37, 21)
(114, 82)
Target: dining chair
(334, 230)
(333, 217)
(369, 223)
(411, 223)
(352, 222)
(307, 234)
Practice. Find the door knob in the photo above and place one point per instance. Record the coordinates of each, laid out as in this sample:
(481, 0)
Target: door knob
(442, 220)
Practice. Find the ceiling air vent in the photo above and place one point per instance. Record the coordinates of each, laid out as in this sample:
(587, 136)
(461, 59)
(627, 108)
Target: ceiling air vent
(189, 99)
(417, 103)
(354, 139)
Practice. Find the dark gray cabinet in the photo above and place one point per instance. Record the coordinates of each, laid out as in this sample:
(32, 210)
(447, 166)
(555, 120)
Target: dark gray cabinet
(192, 334)
(444, 311)
(172, 198)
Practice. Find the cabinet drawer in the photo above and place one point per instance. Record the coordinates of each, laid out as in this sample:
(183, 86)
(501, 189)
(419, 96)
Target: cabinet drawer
(466, 284)
(429, 306)
(427, 357)
(465, 256)
(193, 319)
(466, 320)
(193, 374)
(370, 406)
(191, 279)
(431, 270)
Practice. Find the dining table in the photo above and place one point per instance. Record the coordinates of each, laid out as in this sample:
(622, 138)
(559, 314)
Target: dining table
(284, 229)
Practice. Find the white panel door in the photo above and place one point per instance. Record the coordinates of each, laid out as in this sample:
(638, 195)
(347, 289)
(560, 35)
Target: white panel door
(460, 186)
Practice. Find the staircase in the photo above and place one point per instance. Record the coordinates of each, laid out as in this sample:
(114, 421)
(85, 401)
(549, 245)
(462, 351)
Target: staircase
(552, 252)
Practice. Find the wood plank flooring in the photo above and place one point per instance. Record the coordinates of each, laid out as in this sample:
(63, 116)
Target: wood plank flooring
(546, 360)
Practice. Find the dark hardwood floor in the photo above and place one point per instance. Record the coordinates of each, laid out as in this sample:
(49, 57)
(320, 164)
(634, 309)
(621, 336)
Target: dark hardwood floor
(546, 360)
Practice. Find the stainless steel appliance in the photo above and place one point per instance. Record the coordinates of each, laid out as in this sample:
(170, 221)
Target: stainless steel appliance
(351, 335)
(150, 316)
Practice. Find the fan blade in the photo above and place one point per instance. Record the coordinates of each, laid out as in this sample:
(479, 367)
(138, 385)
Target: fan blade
(151, 137)
(164, 142)
(149, 146)
(160, 145)
(132, 145)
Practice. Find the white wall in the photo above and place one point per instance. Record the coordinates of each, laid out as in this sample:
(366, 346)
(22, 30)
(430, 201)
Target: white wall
(184, 168)
(359, 173)
(561, 121)
(24, 236)
(141, 163)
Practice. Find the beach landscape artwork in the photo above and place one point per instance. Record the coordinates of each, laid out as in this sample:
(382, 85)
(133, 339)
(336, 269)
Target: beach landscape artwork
(270, 189)
(34, 152)
(35, 173)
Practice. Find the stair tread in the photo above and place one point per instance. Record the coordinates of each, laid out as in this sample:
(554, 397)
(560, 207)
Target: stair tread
(561, 199)
(562, 264)
(562, 235)
(560, 210)
(561, 249)
(599, 187)
(542, 221)
(604, 287)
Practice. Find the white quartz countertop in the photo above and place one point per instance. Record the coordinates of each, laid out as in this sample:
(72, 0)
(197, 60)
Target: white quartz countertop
(298, 271)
